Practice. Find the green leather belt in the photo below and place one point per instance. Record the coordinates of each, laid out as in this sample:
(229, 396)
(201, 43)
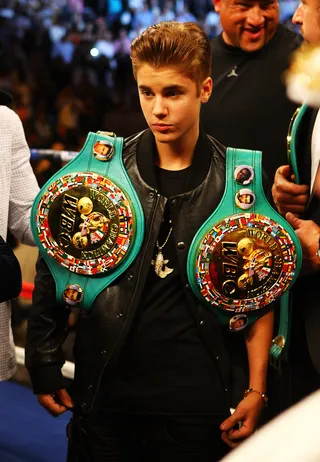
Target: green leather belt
(280, 344)
(88, 221)
(245, 255)
(291, 140)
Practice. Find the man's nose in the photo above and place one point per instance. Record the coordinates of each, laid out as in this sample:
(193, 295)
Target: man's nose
(298, 15)
(160, 107)
(256, 16)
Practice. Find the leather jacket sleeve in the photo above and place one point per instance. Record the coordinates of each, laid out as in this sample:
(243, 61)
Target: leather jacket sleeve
(47, 331)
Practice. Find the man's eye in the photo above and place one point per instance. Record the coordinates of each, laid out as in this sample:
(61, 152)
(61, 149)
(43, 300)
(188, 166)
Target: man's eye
(146, 93)
(173, 93)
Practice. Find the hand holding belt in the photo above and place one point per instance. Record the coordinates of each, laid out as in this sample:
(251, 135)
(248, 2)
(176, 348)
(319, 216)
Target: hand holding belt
(88, 222)
(245, 255)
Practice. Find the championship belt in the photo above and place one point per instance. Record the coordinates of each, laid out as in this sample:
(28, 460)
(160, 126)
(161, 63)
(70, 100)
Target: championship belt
(245, 255)
(88, 221)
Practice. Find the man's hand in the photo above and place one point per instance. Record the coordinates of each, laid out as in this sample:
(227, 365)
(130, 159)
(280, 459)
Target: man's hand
(248, 413)
(308, 233)
(288, 196)
(56, 403)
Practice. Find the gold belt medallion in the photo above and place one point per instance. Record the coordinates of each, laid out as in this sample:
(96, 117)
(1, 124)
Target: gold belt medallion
(245, 262)
(85, 222)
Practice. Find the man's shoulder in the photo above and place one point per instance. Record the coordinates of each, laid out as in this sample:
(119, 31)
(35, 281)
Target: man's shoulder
(287, 38)
(10, 126)
(218, 149)
(216, 43)
(215, 40)
(131, 142)
(8, 116)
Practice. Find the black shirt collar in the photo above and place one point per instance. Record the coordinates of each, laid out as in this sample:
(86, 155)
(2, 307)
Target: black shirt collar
(147, 152)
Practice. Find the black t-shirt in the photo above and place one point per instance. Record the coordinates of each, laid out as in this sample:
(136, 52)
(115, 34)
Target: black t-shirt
(248, 107)
(165, 367)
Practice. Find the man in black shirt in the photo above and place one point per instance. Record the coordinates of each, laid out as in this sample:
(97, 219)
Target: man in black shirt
(249, 108)
(152, 373)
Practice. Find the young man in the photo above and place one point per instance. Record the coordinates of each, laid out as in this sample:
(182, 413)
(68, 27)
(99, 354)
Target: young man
(152, 378)
(292, 200)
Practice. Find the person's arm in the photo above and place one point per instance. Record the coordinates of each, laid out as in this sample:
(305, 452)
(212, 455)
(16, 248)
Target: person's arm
(248, 411)
(24, 186)
(308, 233)
(10, 273)
(288, 196)
(47, 330)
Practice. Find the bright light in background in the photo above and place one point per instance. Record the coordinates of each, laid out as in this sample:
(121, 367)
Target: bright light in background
(94, 52)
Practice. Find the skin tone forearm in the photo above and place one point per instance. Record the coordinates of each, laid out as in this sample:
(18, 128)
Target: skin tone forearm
(258, 342)
(248, 411)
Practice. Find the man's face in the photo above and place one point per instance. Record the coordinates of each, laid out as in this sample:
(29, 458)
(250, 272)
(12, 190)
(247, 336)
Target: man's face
(71, 294)
(245, 198)
(102, 149)
(308, 16)
(238, 323)
(248, 24)
(170, 102)
(243, 175)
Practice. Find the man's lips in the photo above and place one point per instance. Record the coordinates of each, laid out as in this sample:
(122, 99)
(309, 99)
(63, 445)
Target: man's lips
(254, 33)
(161, 127)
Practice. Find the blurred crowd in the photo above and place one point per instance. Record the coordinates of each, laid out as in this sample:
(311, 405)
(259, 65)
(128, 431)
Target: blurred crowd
(67, 65)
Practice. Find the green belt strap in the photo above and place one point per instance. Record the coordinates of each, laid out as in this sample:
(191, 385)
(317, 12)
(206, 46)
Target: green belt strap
(88, 221)
(280, 343)
(280, 347)
(291, 140)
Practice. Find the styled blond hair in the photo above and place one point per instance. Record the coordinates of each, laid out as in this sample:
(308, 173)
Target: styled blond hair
(184, 45)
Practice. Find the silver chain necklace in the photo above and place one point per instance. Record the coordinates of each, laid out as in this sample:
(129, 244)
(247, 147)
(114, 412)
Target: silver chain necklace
(159, 262)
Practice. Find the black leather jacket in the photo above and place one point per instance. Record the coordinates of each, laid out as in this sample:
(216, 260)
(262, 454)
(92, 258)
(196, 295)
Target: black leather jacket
(101, 332)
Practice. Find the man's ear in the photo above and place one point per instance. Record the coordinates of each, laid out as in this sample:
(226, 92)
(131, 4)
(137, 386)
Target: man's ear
(206, 90)
(217, 5)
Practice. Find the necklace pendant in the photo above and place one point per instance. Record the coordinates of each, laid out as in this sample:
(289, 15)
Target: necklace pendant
(160, 267)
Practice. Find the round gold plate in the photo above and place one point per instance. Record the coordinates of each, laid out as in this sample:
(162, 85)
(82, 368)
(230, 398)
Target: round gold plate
(245, 262)
(85, 222)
